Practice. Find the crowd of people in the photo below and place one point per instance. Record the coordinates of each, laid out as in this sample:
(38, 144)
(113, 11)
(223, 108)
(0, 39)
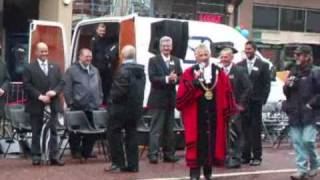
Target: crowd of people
(220, 104)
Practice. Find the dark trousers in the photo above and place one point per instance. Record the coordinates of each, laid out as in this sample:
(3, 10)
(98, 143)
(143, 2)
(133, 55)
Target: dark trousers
(106, 82)
(82, 144)
(234, 137)
(161, 130)
(251, 127)
(123, 135)
(195, 172)
(36, 127)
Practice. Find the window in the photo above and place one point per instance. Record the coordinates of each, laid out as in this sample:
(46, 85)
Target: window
(292, 20)
(265, 17)
(313, 23)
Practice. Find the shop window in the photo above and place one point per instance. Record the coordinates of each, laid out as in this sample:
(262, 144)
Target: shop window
(265, 17)
(292, 20)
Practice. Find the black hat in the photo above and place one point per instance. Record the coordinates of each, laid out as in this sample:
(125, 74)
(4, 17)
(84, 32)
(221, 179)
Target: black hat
(303, 49)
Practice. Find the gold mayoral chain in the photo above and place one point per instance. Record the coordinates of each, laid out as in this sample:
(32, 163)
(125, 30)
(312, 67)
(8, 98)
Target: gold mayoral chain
(208, 94)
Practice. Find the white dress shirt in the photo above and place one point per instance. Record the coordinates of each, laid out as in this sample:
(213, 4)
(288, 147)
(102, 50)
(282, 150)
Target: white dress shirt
(43, 66)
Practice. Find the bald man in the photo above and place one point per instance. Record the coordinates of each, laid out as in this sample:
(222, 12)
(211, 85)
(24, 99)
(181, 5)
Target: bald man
(126, 99)
(42, 83)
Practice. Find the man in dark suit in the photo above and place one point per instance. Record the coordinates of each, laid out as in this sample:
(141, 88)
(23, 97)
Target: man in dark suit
(260, 78)
(241, 86)
(42, 83)
(4, 83)
(164, 71)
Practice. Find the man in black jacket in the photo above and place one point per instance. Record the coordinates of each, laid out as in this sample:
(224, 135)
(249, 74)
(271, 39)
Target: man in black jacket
(104, 53)
(164, 71)
(82, 91)
(302, 107)
(241, 86)
(260, 78)
(126, 101)
(4, 83)
(42, 83)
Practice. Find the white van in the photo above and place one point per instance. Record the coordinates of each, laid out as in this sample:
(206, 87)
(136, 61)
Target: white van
(144, 34)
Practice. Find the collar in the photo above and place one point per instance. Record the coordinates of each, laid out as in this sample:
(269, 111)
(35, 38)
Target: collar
(84, 67)
(129, 61)
(41, 62)
(165, 58)
(253, 60)
(228, 68)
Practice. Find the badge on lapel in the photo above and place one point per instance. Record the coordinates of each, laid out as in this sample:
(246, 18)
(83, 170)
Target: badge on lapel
(254, 68)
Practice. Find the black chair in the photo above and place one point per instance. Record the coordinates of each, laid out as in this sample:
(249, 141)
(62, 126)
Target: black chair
(178, 129)
(100, 121)
(20, 122)
(143, 129)
(77, 122)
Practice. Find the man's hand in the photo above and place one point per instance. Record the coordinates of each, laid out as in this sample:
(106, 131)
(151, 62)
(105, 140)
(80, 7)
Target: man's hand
(173, 77)
(51, 93)
(45, 99)
(197, 74)
(1, 92)
(308, 106)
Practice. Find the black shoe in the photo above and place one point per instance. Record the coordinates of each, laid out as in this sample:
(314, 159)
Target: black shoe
(245, 161)
(76, 156)
(153, 160)
(130, 169)
(207, 177)
(36, 162)
(233, 163)
(113, 169)
(56, 162)
(194, 178)
(171, 159)
(255, 162)
(298, 176)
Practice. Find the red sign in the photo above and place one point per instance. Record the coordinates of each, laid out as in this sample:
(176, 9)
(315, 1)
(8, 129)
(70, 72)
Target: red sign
(216, 18)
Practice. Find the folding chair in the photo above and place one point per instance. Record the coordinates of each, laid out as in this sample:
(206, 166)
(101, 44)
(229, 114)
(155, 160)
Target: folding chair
(100, 121)
(20, 122)
(77, 122)
(143, 129)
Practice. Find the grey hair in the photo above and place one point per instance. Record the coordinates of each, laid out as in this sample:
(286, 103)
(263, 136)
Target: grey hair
(165, 39)
(227, 51)
(202, 46)
(128, 52)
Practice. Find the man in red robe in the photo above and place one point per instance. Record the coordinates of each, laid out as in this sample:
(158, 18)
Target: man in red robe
(206, 102)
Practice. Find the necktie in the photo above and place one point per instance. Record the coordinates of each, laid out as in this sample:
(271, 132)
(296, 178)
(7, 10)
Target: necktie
(44, 68)
(168, 63)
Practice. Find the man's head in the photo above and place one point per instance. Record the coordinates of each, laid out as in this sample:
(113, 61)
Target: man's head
(101, 30)
(303, 55)
(85, 56)
(42, 51)
(128, 52)
(165, 45)
(202, 54)
(250, 49)
(226, 57)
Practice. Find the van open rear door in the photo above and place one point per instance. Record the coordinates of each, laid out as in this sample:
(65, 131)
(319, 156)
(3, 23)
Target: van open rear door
(127, 33)
(53, 34)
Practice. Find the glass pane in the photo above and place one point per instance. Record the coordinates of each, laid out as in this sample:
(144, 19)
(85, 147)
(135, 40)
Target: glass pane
(292, 20)
(260, 20)
(313, 23)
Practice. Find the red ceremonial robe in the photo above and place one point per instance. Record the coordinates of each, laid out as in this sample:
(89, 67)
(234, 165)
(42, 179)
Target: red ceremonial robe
(187, 103)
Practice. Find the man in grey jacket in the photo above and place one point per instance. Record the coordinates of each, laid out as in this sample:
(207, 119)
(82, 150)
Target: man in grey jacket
(82, 91)
(302, 90)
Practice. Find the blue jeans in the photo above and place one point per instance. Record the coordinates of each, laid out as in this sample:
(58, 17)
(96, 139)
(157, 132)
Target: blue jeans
(304, 144)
